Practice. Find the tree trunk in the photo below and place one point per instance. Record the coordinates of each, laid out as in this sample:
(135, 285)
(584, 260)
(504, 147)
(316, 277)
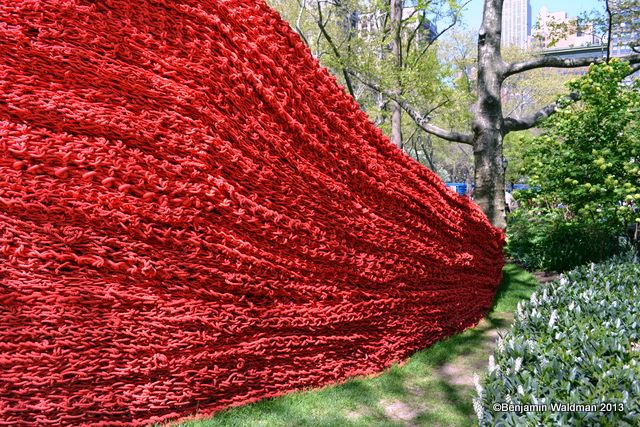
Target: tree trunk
(488, 125)
(396, 48)
(489, 177)
(428, 153)
(396, 124)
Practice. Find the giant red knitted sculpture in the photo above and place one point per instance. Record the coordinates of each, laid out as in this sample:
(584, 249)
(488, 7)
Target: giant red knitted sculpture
(193, 215)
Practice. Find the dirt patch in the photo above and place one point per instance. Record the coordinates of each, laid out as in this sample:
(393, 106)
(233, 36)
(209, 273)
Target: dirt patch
(354, 415)
(460, 371)
(544, 277)
(401, 411)
(450, 381)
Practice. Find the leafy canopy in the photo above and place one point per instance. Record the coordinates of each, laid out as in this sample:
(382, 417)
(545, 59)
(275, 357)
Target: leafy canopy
(588, 161)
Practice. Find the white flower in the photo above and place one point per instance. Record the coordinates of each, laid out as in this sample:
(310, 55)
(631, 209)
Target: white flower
(563, 280)
(500, 345)
(518, 364)
(476, 382)
(477, 406)
(492, 364)
(553, 318)
(520, 390)
(519, 313)
(508, 399)
(534, 299)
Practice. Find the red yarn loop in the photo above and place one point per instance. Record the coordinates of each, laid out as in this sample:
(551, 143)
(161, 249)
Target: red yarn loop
(194, 215)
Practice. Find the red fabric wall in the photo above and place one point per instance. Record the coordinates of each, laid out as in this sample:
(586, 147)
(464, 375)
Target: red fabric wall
(193, 214)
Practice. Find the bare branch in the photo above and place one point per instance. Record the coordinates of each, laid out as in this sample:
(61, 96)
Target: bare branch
(405, 20)
(303, 8)
(555, 62)
(428, 153)
(437, 106)
(456, 17)
(512, 124)
(414, 33)
(420, 119)
(609, 28)
(335, 50)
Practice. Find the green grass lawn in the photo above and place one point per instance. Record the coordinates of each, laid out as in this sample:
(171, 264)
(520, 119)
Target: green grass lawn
(433, 388)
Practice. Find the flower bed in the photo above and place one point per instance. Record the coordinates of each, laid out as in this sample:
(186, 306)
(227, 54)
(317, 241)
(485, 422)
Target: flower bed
(576, 342)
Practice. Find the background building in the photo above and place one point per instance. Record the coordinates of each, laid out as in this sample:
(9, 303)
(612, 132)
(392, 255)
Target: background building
(627, 35)
(371, 23)
(557, 30)
(516, 23)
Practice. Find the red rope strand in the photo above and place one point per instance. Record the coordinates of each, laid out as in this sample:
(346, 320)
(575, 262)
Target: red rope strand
(193, 215)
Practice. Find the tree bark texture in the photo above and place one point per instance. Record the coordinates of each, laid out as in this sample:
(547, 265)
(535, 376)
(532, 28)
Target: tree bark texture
(488, 126)
(396, 50)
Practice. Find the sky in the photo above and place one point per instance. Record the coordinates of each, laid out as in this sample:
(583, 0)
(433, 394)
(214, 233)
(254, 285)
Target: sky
(473, 15)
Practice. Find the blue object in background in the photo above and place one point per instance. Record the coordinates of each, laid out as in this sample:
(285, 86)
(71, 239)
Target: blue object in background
(460, 187)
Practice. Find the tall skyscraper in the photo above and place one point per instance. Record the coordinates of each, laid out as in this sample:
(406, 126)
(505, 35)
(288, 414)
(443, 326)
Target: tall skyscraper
(516, 23)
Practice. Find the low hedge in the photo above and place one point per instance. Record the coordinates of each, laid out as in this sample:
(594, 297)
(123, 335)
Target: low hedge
(545, 240)
(577, 341)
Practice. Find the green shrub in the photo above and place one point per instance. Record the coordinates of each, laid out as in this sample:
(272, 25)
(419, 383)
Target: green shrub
(575, 342)
(587, 157)
(585, 167)
(543, 239)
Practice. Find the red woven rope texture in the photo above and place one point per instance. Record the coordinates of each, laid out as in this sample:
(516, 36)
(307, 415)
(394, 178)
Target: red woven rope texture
(193, 215)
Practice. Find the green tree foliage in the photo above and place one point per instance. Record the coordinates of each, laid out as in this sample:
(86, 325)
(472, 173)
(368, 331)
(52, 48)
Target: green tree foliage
(588, 160)
(353, 38)
(585, 174)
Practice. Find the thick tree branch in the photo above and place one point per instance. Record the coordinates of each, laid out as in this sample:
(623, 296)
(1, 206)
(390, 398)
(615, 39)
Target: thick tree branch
(512, 124)
(420, 119)
(555, 62)
(396, 50)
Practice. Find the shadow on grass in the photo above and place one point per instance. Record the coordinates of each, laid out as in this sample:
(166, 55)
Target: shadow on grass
(517, 284)
(432, 388)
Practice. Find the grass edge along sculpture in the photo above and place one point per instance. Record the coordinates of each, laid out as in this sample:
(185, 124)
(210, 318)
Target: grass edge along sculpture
(194, 215)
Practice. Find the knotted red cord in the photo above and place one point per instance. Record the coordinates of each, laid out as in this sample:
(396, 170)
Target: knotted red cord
(193, 215)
